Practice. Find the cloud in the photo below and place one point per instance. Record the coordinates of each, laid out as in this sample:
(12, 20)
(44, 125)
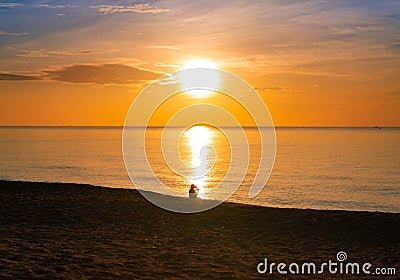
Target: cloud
(47, 53)
(282, 89)
(138, 8)
(9, 5)
(394, 93)
(394, 46)
(161, 64)
(168, 79)
(165, 47)
(102, 74)
(51, 6)
(12, 33)
(276, 88)
(17, 77)
(4, 7)
(86, 52)
(359, 68)
(33, 53)
(353, 29)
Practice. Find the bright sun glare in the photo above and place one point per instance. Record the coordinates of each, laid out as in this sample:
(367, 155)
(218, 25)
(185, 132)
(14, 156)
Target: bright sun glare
(208, 77)
(199, 63)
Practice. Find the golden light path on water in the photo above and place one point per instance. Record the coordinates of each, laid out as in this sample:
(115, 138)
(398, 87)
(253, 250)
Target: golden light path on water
(199, 141)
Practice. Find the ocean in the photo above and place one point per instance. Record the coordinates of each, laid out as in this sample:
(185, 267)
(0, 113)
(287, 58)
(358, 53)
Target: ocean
(315, 168)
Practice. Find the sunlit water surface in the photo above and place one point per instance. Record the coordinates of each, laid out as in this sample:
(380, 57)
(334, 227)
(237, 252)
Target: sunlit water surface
(319, 168)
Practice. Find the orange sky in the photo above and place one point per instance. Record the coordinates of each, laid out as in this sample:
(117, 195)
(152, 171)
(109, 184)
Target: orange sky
(315, 63)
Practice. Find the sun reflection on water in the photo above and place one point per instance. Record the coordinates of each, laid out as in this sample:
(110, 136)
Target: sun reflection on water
(200, 156)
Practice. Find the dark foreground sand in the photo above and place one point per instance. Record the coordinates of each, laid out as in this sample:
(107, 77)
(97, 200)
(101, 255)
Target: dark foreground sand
(75, 231)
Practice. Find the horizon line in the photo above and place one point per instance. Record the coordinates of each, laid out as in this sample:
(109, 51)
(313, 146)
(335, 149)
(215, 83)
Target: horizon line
(178, 126)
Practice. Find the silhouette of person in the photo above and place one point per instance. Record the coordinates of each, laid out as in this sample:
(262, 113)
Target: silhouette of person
(193, 191)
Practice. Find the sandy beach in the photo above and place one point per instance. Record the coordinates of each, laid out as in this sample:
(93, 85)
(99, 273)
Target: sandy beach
(72, 231)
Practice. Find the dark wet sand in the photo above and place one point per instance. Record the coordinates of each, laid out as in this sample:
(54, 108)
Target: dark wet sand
(71, 231)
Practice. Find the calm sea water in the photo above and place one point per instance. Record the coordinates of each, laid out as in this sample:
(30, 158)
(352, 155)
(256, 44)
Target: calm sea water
(319, 168)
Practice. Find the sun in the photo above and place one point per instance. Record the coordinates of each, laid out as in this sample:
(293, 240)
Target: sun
(207, 77)
(199, 63)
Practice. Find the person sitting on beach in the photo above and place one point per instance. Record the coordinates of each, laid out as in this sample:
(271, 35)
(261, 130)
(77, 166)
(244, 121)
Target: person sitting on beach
(193, 191)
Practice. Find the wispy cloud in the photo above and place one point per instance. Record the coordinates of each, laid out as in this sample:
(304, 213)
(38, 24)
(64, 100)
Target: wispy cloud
(51, 6)
(138, 8)
(34, 53)
(99, 74)
(275, 88)
(17, 77)
(165, 47)
(280, 89)
(48, 53)
(9, 5)
(102, 74)
(12, 33)
(355, 29)
(394, 93)
(165, 65)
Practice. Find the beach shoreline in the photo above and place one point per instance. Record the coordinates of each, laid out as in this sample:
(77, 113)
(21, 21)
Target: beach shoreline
(65, 230)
